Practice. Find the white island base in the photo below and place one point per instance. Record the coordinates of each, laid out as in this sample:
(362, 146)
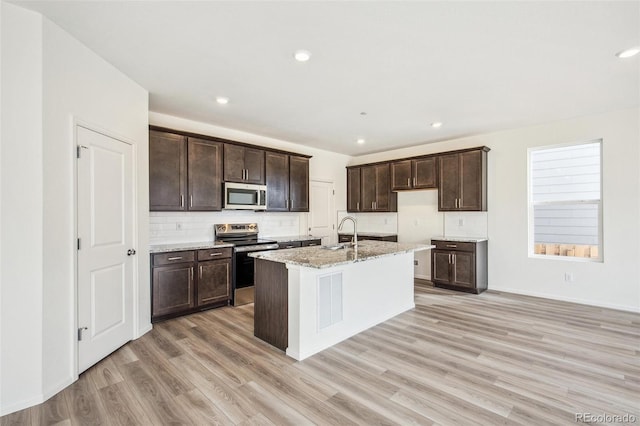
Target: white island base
(329, 305)
(308, 299)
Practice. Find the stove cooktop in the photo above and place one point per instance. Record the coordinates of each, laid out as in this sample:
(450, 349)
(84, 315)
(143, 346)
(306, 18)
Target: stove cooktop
(247, 242)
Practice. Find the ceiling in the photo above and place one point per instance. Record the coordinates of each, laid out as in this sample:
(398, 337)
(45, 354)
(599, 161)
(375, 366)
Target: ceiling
(475, 66)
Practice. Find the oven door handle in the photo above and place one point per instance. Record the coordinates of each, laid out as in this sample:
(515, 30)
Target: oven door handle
(262, 247)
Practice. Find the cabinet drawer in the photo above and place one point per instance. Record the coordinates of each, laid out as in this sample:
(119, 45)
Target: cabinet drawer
(215, 253)
(453, 245)
(173, 257)
(309, 243)
(290, 244)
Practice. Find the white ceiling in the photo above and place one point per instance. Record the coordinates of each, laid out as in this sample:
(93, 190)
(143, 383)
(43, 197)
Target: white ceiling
(476, 66)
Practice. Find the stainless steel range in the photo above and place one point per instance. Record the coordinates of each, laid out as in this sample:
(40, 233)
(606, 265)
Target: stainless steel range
(244, 237)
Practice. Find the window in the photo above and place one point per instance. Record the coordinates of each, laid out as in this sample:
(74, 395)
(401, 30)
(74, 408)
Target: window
(565, 201)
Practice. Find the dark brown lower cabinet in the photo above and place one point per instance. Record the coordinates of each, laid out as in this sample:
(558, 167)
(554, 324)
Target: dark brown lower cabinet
(459, 265)
(346, 238)
(172, 289)
(188, 281)
(214, 281)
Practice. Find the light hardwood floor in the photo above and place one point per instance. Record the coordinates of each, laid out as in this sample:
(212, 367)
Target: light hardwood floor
(455, 359)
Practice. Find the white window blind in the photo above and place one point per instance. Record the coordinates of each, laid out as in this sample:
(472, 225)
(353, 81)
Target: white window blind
(565, 195)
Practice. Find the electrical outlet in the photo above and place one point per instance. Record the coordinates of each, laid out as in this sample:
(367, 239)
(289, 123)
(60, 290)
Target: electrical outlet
(460, 222)
(178, 226)
(415, 263)
(568, 277)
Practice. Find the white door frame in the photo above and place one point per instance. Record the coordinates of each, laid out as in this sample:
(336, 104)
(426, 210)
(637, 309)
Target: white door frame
(78, 122)
(334, 212)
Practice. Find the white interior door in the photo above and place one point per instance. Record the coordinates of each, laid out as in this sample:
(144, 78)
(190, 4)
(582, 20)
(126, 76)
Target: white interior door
(322, 217)
(105, 232)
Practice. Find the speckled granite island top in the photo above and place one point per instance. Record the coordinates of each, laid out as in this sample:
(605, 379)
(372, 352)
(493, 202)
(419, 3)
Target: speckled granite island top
(318, 257)
(163, 248)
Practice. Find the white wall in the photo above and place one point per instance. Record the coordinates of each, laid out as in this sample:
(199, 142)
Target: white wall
(48, 80)
(323, 165)
(82, 86)
(612, 283)
(21, 224)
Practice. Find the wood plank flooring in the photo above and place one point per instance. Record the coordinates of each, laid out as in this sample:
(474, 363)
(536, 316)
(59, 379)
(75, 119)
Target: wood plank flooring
(456, 358)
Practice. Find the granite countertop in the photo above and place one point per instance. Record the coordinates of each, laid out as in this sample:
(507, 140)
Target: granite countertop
(371, 234)
(163, 248)
(318, 257)
(290, 238)
(460, 239)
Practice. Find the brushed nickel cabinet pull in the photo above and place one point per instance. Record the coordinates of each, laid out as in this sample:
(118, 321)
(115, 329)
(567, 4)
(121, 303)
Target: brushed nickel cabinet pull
(181, 200)
(175, 258)
(191, 200)
(214, 254)
(452, 245)
(414, 181)
(408, 181)
(358, 205)
(200, 271)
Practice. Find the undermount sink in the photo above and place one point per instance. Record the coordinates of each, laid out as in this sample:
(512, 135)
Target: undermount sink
(335, 247)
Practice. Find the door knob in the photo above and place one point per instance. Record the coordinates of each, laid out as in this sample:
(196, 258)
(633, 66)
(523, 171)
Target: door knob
(131, 252)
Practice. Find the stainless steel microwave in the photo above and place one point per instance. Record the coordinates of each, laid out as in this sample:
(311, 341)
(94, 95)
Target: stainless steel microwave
(244, 196)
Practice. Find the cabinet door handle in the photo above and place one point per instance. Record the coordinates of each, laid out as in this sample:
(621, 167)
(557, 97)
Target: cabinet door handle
(414, 181)
(452, 245)
(408, 181)
(175, 258)
(358, 206)
(288, 247)
(311, 244)
(181, 200)
(286, 203)
(454, 258)
(191, 274)
(450, 258)
(214, 254)
(200, 276)
(191, 200)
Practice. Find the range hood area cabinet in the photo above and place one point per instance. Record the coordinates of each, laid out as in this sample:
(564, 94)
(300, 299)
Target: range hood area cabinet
(243, 164)
(369, 189)
(185, 173)
(462, 180)
(418, 173)
(287, 178)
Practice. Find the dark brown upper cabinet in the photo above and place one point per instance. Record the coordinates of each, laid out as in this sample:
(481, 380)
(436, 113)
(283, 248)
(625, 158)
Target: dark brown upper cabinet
(287, 178)
(185, 173)
(462, 181)
(375, 189)
(418, 173)
(167, 171)
(204, 174)
(243, 164)
(298, 184)
(353, 189)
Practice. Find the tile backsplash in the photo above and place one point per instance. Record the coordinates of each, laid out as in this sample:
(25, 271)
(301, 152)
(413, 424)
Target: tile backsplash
(466, 224)
(371, 222)
(184, 227)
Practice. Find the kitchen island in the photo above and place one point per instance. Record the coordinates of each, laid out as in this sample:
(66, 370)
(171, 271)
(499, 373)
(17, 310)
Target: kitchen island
(308, 299)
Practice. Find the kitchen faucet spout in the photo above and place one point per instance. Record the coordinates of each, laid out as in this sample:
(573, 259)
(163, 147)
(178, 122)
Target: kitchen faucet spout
(354, 241)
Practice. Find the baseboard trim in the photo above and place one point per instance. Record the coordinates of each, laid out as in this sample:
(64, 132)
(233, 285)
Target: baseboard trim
(143, 331)
(566, 299)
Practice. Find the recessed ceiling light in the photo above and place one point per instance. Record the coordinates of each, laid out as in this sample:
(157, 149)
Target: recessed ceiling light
(436, 124)
(360, 141)
(628, 53)
(222, 100)
(363, 113)
(302, 55)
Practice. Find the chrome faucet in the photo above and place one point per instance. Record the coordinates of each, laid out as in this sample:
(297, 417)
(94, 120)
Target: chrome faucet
(354, 241)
